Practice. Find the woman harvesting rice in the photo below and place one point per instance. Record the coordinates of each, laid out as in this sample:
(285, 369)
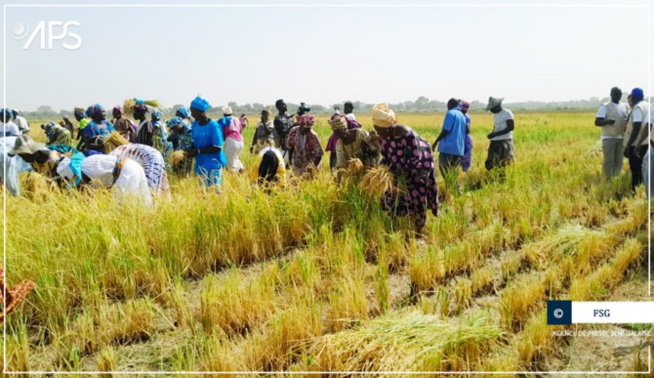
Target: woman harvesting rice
(122, 124)
(304, 149)
(145, 130)
(180, 137)
(231, 128)
(350, 144)
(265, 133)
(207, 145)
(43, 160)
(97, 128)
(56, 134)
(160, 137)
(147, 157)
(123, 174)
(409, 157)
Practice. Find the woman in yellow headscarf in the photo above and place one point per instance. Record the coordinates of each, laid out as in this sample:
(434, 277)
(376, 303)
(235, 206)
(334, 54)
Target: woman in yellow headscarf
(409, 156)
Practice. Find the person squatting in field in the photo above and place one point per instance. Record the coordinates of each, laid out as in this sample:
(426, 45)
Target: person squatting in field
(207, 145)
(636, 136)
(500, 151)
(410, 159)
(451, 144)
(612, 117)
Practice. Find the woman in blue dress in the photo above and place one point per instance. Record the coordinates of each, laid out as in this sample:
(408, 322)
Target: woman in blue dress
(207, 145)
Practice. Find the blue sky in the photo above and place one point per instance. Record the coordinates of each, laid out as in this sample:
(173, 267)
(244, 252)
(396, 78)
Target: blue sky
(329, 54)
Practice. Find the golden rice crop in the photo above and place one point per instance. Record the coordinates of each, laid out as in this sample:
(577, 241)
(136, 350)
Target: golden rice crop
(128, 105)
(113, 141)
(377, 181)
(177, 157)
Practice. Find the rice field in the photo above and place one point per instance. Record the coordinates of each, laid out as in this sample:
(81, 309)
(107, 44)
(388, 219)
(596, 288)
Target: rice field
(315, 277)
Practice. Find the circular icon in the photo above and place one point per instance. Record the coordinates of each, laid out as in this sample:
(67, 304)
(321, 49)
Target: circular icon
(19, 30)
(558, 313)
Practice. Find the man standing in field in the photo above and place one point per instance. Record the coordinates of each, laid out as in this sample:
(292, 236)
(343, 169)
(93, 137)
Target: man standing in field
(612, 118)
(500, 152)
(21, 122)
(451, 143)
(636, 141)
(283, 124)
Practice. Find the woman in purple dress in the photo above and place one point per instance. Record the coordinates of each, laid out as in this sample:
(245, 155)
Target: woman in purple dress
(410, 159)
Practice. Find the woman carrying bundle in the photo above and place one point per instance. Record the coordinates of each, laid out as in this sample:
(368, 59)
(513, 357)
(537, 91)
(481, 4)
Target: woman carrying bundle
(409, 158)
(147, 157)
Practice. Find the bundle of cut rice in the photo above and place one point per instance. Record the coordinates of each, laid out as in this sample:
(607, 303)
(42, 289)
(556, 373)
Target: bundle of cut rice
(128, 105)
(113, 141)
(177, 157)
(377, 181)
(596, 150)
(355, 166)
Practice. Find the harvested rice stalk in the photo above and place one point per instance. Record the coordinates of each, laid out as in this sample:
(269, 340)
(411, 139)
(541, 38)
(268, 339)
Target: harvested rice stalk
(113, 141)
(596, 150)
(128, 105)
(377, 181)
(355, 166)
(407, 341)
(177, 157)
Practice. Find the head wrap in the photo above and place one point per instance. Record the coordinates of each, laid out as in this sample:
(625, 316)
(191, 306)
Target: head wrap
(140, 105)
(637, 95)
(7, 114)
(175, 121)
(16, 113)
(95, 111)
(200, 104)
(227, 110)
(493, 102)
(306, 120)
(338, 123)
(383, 116)
(156, 115)
(49, 128)
(117, 109)
(79, 112)
(183, 112)
(464, 105)
(71, 168)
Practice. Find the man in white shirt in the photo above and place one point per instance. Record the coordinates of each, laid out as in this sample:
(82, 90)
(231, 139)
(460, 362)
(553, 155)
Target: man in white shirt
(7, 127)
(612, 117)
(21, 122)
(501, 151)
(636, 136)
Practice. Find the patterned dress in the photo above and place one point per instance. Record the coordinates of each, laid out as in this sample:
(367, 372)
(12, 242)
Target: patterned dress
(306, 149)
(410, 157)
(152, 162)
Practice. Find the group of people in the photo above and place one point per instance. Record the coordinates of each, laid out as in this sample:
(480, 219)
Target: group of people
(134, 157)
(626, 133)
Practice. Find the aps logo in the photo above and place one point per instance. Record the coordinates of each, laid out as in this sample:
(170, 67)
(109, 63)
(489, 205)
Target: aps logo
(47, 32)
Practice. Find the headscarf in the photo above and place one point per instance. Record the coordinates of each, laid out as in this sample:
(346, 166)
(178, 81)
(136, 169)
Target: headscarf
(637, 95)
(494, 102)
(200, 104)
(49, 127)
(338, 123)
(16, 113)
(140, 105)
(79, 112)
(464, 105)
(156, 115)
(306, 120)
(227, 111)
(383, 116)
(183, 112)
(94, 110)
(175, 121)
(7, 114)
(117, 109)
